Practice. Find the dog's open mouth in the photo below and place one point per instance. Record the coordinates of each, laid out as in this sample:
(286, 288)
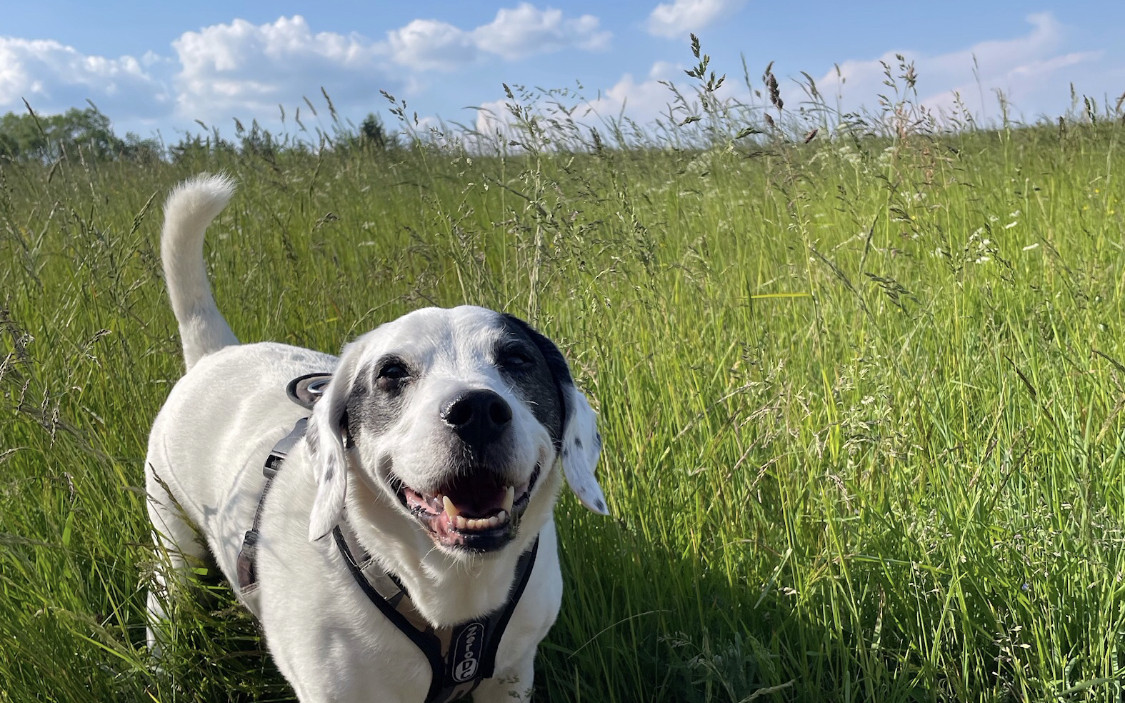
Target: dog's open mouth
(479, 514)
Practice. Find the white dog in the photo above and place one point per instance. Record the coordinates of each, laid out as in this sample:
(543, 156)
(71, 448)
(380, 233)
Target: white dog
(403, 548)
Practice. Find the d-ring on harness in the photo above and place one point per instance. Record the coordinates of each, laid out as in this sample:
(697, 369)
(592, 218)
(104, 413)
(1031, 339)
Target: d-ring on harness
(460, 656)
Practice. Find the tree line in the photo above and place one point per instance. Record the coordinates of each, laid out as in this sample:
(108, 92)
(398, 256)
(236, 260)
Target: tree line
(88, 134)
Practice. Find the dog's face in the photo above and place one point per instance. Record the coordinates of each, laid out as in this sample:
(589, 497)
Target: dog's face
(456, 419)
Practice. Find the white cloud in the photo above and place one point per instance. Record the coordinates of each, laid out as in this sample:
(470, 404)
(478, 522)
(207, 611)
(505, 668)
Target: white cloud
(240, 68)
(680, 17)
(514, 34)
(494, 119)
(526, 30)
(53, 77)
(426, 45)
(1026, 69)
(642, 101)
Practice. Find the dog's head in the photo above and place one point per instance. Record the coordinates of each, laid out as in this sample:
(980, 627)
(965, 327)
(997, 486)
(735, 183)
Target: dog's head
(456, 419)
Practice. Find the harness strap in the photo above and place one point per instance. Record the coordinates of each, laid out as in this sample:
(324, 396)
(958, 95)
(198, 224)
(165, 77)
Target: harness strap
(501, 617)
(460, 656)
(418, 637)
(247, 556)
(304, 391)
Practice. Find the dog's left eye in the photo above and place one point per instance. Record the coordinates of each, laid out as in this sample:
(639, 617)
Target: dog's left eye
(515, 359)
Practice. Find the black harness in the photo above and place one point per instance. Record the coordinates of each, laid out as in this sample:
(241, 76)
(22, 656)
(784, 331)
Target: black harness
(460, 656)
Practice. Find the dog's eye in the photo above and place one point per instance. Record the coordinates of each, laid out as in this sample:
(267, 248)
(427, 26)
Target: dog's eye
(392, 375)
(515, 359)
(393, 371)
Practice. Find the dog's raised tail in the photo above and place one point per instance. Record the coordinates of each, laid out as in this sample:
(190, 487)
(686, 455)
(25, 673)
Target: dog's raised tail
(188, 211)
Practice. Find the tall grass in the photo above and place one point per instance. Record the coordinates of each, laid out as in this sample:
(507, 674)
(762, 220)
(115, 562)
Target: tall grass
(861, 397)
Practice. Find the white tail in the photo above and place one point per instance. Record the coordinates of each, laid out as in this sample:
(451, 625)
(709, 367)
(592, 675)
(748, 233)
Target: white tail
(188, 211)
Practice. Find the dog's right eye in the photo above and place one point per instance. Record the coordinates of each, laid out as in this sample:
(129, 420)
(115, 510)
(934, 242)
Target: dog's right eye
(394, 371)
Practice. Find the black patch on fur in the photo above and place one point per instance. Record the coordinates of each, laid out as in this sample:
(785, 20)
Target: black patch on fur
(542, 385)
(369, 407)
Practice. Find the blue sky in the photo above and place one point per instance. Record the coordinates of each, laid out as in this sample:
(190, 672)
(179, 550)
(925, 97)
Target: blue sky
(159, 67)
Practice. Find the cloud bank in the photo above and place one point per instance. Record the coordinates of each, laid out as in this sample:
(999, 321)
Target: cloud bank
(247, 70)
(53, 77)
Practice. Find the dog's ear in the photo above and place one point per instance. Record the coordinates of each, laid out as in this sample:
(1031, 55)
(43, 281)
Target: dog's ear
(581, 447)
(326, 437)
(581, 443)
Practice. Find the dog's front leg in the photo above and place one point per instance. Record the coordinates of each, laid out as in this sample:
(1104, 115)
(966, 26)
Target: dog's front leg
(509, 686)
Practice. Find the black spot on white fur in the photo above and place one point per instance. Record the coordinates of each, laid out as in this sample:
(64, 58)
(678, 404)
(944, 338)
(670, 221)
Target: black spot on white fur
(543, 388)
(369, 407)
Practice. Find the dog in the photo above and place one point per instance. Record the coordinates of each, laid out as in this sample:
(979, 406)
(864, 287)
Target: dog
(425, 474)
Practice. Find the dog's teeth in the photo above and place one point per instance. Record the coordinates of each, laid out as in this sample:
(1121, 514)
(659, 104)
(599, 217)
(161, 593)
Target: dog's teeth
(450, 509)
(461, 522)
(509, 499)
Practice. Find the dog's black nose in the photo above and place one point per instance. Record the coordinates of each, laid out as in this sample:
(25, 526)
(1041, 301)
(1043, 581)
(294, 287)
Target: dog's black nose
(478, 417)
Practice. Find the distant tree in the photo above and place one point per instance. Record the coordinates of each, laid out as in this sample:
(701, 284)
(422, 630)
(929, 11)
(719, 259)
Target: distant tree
(369, 138)
(88, 134)
(196, 149)
(139, 150)
(256, 141)
(22, 137)
(372, 132)
(87, 131)
(9, 148)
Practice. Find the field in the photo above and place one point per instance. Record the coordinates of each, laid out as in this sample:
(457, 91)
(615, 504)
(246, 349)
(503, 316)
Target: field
(861, 398)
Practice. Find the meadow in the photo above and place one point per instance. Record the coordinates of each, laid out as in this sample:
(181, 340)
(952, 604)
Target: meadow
(860, 397)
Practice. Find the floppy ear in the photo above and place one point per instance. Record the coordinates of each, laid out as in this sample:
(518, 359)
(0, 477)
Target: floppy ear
(581, 443)
(326, 438)
(581, 447)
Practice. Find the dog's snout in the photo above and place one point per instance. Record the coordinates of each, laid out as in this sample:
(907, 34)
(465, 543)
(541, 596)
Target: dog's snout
(478, 417)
